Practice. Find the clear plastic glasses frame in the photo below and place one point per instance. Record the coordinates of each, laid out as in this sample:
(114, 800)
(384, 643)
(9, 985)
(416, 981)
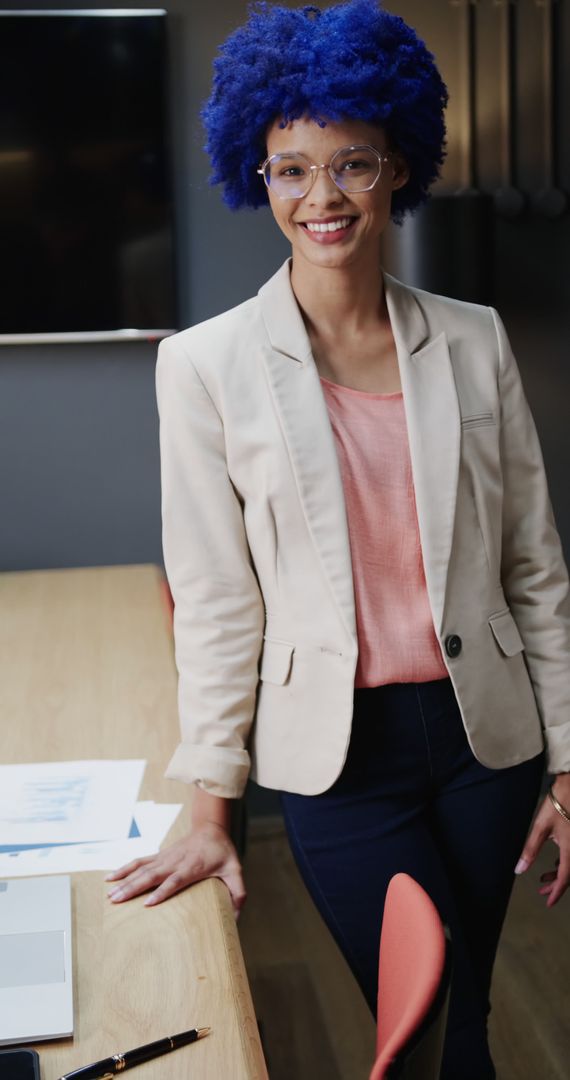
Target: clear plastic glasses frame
(313, 170)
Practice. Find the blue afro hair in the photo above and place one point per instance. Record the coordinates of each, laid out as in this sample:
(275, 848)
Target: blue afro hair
(350, 61)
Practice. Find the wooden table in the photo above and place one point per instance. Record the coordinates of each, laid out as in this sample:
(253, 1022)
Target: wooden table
(87, 671)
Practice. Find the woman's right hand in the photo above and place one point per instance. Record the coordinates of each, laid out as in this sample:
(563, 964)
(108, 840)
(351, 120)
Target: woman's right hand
(205, 852)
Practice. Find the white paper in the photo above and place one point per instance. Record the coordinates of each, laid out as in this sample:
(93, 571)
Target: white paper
(153, 820)
(68, 801)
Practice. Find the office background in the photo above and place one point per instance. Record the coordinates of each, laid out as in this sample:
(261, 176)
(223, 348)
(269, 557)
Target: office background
(79, 482)
(79, 467)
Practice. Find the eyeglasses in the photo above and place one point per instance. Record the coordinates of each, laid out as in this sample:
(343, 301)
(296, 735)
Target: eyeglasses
(352, 168)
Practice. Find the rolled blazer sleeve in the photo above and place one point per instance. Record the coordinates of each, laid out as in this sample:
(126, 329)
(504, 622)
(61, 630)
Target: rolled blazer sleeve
(219, 611)
(533, 571)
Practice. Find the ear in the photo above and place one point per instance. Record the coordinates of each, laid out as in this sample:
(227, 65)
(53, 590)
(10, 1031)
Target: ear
(401, 173)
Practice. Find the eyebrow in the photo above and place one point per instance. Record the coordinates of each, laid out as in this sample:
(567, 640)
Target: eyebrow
(344, 146)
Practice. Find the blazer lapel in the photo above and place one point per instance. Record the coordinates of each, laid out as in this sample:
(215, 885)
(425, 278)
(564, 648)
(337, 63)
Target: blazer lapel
(301, 406)
(433, 430)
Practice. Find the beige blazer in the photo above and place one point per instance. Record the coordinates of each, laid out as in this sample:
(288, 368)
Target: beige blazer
(257, 553)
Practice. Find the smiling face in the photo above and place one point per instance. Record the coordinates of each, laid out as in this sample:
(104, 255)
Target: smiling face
(329, 227)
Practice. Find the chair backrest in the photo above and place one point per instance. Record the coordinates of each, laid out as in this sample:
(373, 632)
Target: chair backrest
(167, 600)
(413, 985)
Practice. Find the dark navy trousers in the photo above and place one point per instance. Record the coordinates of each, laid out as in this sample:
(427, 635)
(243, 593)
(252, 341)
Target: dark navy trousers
(412, 797)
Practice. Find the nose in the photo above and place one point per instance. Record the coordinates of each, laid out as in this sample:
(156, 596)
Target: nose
(324, 191)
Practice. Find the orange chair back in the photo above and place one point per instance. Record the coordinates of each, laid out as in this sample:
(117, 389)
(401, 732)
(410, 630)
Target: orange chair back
(413, 984)
(167, 600)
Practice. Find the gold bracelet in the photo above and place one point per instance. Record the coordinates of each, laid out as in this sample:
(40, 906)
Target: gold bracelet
(558, 806)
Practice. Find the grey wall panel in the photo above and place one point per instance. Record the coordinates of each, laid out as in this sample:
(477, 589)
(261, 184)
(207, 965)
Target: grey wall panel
(79, 462)
(78, 426)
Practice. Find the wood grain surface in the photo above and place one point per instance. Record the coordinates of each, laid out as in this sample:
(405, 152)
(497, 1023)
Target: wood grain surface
(87, 671)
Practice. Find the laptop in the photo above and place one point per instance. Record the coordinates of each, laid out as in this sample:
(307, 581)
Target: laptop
(36, 992)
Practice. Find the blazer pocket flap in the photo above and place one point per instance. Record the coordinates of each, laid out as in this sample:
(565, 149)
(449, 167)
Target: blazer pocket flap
(506, 633)
(276, 661)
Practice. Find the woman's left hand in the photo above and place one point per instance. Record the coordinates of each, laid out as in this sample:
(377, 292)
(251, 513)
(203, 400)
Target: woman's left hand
(549, 824)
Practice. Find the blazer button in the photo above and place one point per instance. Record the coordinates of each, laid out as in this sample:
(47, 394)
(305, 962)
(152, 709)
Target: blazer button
(453, 645)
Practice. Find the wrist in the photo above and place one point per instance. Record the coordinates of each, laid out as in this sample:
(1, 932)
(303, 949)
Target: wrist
(561, 784)
(209, 809)
(209, 827)
(560, 798)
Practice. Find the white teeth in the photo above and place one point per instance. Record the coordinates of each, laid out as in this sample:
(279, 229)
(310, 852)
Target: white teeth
(328, 226)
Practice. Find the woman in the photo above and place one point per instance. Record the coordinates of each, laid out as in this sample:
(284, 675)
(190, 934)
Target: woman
(353, 495)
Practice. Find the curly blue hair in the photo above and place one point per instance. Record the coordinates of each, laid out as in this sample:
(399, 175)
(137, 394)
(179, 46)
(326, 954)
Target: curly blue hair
(349, 61)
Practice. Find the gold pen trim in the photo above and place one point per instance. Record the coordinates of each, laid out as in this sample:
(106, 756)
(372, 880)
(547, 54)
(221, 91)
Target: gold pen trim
(203, 1031)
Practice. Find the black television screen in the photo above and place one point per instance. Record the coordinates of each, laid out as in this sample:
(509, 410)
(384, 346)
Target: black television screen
(86, 215)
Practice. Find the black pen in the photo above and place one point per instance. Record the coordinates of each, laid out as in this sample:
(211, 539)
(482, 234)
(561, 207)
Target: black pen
(107, 1068)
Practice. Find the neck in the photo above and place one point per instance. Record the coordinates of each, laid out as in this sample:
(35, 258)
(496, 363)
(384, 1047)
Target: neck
(344, 299)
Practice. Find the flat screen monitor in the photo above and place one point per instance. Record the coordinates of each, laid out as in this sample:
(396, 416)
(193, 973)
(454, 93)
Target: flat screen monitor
(86, 207)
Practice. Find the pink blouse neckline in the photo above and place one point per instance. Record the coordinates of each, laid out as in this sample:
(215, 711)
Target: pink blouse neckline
(397, 642)
(360, 393)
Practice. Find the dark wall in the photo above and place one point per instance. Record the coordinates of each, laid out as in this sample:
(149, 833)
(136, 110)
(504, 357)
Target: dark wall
(79, 477)
(79, 470)
(528, 257)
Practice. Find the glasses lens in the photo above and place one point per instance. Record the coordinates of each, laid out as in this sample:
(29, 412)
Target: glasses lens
(355, 168)
(288, 175)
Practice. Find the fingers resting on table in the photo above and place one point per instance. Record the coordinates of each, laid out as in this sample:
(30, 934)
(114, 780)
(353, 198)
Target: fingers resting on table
(206, 852)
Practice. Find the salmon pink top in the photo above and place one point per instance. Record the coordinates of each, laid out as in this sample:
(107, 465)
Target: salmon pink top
(396, 637)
